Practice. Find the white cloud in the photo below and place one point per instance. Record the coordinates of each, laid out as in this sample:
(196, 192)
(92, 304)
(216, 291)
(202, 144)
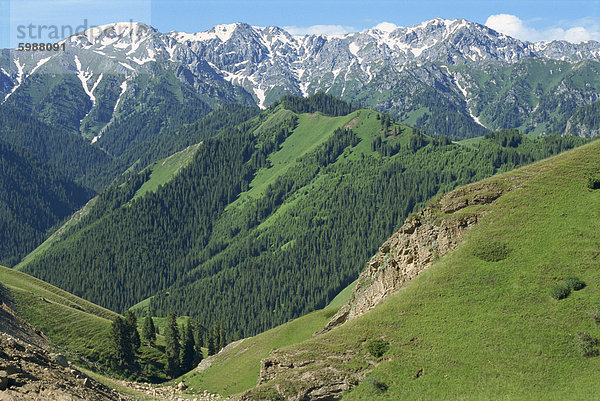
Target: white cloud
(320, 30)
(386, 26)
(513, 26)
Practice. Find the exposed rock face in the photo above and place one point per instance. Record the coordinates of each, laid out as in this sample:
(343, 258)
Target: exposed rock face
(431, 233)
(318, 377)
(207, 362)
(30, 373)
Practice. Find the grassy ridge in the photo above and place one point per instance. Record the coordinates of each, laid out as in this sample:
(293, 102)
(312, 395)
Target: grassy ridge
(164, 170)
(475, 330)
(312, 131)
(71, 322)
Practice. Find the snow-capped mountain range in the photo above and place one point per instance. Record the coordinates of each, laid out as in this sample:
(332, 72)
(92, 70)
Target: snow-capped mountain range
(267, 62)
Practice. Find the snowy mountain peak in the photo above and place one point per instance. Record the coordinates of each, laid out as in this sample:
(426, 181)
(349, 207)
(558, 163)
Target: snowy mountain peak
(119, 34)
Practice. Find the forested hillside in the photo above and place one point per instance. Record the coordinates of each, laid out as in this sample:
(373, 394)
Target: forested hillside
(33, 198)
(273, 217)
(67, 152)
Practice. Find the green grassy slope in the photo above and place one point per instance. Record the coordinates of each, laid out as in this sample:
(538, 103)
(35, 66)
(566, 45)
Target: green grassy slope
(164, 170)
(480, 330)
(69, 321)
(312, 131)
(237, 369)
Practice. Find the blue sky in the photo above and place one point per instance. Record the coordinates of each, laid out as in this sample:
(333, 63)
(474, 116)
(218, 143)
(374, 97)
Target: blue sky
(533, 20)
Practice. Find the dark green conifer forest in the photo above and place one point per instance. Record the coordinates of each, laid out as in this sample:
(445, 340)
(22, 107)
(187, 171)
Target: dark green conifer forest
(34, 197)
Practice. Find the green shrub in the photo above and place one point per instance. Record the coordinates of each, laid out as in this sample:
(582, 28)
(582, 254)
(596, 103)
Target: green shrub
(593, 182)
(593, 178)
(377, 347)
(378, 385)
(493, 251)
(586, 344)
(560, 291)
(574, 283)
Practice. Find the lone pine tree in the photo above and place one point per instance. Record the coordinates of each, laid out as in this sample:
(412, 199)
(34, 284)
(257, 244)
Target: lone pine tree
(187, 348)
(172, 346)
(149, 331)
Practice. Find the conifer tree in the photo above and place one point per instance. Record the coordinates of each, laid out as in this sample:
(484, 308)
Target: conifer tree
(187, 348)
(197, 333)
(132, 331)
(149, 331)
(172, 345)
(211, 345)
(121, 340)
(221, 335)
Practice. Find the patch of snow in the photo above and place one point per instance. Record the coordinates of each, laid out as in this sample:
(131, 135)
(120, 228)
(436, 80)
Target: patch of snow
(354, 48)
(195, 37)
(19, 78)
(299, 73)
(123, 89)
(142, 61)
(171, 50)
(225, 31)
(540, 46)
(135, 45)
(465, 94)
(106, 41)
(121, 45)
(260, 94)
(454, 26)
(84, 77)
(302, 82)
(418, 50)
(235, 78)
(369, 73)
(476, 50)
(39, 64)
(346, 77)
(127, 66)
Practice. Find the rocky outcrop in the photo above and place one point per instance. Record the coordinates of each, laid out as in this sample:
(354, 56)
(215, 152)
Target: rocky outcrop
(429, 234)
(28, 372)
(207, 362)
(318, 379)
